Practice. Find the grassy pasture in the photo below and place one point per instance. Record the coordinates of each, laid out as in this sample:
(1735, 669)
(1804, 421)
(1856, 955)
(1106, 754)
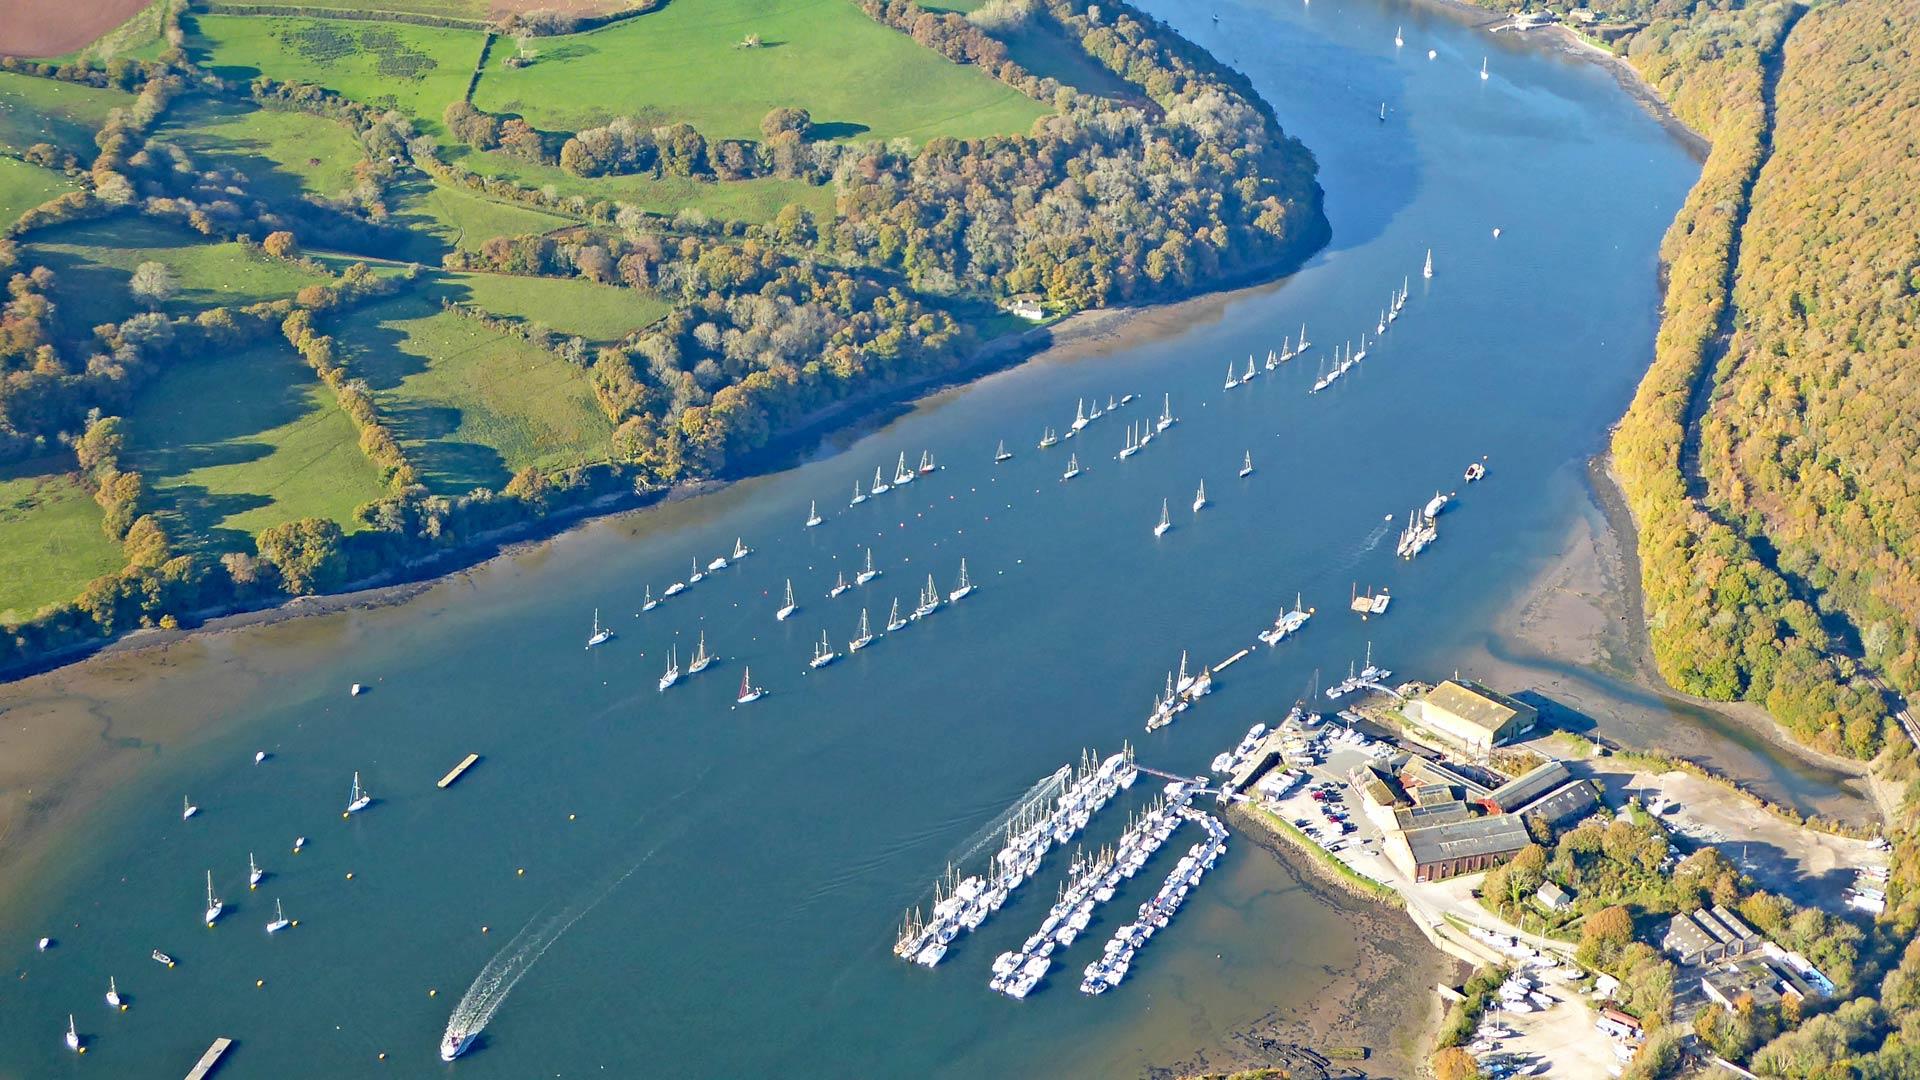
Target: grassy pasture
(739, 200)
(284, 155)
(24, 186)
(564, 305)
(416, 69)
(51, 543)
(231, 443)
(1043, 48)
(442, 217)
(858, 78)
(469, 406)
(36, 110)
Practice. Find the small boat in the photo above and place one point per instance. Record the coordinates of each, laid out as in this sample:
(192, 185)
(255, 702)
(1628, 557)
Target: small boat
(162, 958)
(356, 690)
(695, 577)
(280, 921)
(787, 609)
(748, 691)
(1166, 522)
(1094, 413)
(187, 809)
(1427, 270)
(702, 659)
(1079, 415)
(259, 756)
(1001, 454)
(1397, 39)
(254, 873)
(1073, 467)
(1286, 349)
(858, 498)
(1496, 232)
(1380, 601)
(926, 462)
(1232, 379)
(1200, 498)
(357, 799)
(1475, 471)
(1436, 504)
(740, 549)
(1048, 438)
(1166, 414)
(823, 653)
(1380, 326)
(73, 1035)
(868, 573)
(298, 843)
(901, 474)
(113, 994)
(214, 904)
(965, 587)
(1246, 466)
(1302, 347)
(894, 621)
(675, 589)
(1111, 404)
(672, 674)
(1362, 355)
(649, 603)
(1483, 68)
(44, 944)
(1133, 445)
(1383, 112)
(1126, 399)
(454, 1043)
(719, 563)
(880, 485)
(839, 586)
(813, 513)
(1248, 377)
(862, 639)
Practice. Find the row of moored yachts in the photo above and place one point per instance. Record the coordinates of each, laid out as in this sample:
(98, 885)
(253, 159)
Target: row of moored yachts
(1154, 915)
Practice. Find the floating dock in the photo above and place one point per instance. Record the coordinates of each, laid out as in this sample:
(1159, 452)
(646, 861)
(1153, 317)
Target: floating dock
(458, 770)
(1231, 660)
(210, 1059)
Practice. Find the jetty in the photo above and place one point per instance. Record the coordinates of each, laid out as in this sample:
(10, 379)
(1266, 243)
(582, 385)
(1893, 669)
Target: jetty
(210, 1059)
(458, 771)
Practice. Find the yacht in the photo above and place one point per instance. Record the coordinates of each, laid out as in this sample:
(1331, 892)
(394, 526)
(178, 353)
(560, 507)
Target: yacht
(901, 474)
(73, 1035)
(813, 512)
(894, 621)
(839, 586)
(858, 498)
(1322, 382)
(1166, 414)
(113, 994)
(1437, 504)
(280, 921)
(740, 549)
(1362, 354)
(214, 905)
(961, 590)
(823, 653)
(929, 600)
(1302, 347)
(601, 634)
(1126, 399)
(1246, 466)
(748, 691)
(1048, 438)
(357, 799)
(1248, 377)
(162, 958)
(649, 603)
(455, 1043)
(862, 639)
(672, 674)
(1001, 454)
(1079, 414)
(880, 485)
(187, 809)
(1427, 270)
(1483, 69)
(298, 843)
(867, 574)
(1232, 379)
(787, 609)
(1397, 39)
(1133, 444)
(675, 589)
(1286, 349)
(1166, 522)
(702, 659)
(926, 462)
(1094, 413)
(719, 563)
(695, 577)
(1380, 325)
(1200, 498)
(254, 873)
(1073, 467)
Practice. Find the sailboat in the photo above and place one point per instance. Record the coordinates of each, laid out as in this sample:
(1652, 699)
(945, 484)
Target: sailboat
(1363, 348)
(73, 1035)
(926, 462)
(113, 994)
(1048, 438)
(1166, 522)
(929, 600)
(748, 691)
(1246, 466)
(1232, 379)
(880, 485)
(1321, 382)
(961, 590)
(697, 574)
(600, 634)
(839, 586)
(1166, 413)
(1133, 445)
(1001, 454)
(1383, 112)
(862, 639)
(1094, 413)
(1398, 41)
(813, 512)
(787, 609)
(702, 659)
(1079, 414)
(858, 497)
(254, 873)
(1248, 377)
(1302, 347)
(823, 653)
(1427, 270)
(1483, 68)
(901, 474)
(1200, 498)
(894, 621)
(214, 906)
(187, 809)
(1073, 467)
(740, 549)
(280, 921)
(867, 574)
(672, 674)
(649, 603)
(1286, 349)
(1380, 325)
(357, 799)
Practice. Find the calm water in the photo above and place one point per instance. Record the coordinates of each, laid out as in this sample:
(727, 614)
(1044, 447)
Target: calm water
(749, 864)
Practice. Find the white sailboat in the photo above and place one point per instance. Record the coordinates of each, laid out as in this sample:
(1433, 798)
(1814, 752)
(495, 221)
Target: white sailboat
(787, 609)
(839, 586)
(868, 573)
(280, 921)
(965, 586)
(1048, 438)
(1166, 414)
(1246, 466)
(929, 600)
(858, 496)
(901, 474)
(214, 905)
(1380, 325)
(1079, 414)
(1302, 347)
(649, 603)
(823, 653)
(1094, 413)
(748, 691)
(1397, 39)
(1073, 467)
(1483, 68)
(254, 873)
(1362, 355)
(600, 634)
(926, 462)
(113, 994)
(880, 485)
(1001, 454)
(73, 1035)
(187, 809)
(1232, 379)
(1248, 377)
(894, 621)
(1286, 349)
(1200, 498)
(1166, 521)
(740, 549)
(672, 674)
(1427, 270)
(357, 799)
(862, 639)
(1133, 445)
(702, 659)
(697, 574)
(813, 511)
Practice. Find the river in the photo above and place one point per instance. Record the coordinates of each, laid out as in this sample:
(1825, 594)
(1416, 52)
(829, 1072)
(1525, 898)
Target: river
(772, 847)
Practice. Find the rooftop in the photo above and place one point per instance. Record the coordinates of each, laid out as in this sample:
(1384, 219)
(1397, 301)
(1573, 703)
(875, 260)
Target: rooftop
(1486, 709)
(1427, 815)
(1523, 789)
(1465, 839)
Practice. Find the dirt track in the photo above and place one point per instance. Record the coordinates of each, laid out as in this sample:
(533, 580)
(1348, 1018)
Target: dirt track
(52, 27)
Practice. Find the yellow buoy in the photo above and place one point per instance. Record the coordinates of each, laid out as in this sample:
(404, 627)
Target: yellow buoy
(383, 1055)
(569, 817)
(83, 1049)
(295, 922)
(343, 815)
(123, 1006)
(483, 929)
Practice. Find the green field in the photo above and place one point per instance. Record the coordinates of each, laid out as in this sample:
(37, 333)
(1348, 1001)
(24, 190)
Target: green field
(738, 200)
(36, 110)
(285, 155)
(469, 406)
(415, 69)
(51, 543)
(1044, 49)
(441, 216)
(858, 78)
(93, 261)
(231, 443)
(24, 186)
(563, 305)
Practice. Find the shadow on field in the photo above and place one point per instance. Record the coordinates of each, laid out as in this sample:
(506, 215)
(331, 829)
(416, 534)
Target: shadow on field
(836, 129)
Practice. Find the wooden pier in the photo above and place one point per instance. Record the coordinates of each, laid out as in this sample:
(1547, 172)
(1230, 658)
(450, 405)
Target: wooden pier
(456, 772)
(210, 1059)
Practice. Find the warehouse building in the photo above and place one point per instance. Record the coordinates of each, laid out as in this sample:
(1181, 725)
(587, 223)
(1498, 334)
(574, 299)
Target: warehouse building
(1437, 852)
(1471, 716)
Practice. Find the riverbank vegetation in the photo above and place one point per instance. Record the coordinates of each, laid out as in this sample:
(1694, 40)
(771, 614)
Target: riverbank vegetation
(663, 240)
